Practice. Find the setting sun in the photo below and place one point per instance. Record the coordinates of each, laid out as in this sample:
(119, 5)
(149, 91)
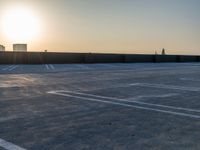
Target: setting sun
(20, 24)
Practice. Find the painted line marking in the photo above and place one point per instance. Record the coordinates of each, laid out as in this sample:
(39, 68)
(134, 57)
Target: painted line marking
(6, 68)
(13, 68)
(121, 103)
(164, 86)
(190, 79)
(10, 68)
(52, 67)
(9, 146)
(47, 67)
(131, 101)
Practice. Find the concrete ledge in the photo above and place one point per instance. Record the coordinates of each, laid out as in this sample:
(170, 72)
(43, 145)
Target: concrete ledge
(166, 58)
(103, 58)
(188, 59)
(63, 58)
(139, 58)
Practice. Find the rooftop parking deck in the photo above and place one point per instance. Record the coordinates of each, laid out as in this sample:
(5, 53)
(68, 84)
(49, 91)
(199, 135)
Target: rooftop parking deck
(117, 106)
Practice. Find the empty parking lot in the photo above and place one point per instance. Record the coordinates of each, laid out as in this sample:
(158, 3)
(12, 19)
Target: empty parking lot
(100, 106)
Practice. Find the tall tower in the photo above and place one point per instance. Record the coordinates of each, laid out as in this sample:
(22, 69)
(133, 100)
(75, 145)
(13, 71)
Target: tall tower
(163, 52)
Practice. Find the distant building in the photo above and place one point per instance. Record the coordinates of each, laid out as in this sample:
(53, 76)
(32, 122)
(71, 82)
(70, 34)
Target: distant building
(20, 47)
(2, 48)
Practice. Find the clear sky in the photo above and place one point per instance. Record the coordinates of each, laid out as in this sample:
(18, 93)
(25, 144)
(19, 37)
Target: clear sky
(118, 26)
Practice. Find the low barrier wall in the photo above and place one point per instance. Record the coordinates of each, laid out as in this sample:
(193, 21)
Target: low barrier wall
(139, 58)
(63, 58)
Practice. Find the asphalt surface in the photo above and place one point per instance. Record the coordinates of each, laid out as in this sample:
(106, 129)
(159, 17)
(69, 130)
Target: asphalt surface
(143, 106)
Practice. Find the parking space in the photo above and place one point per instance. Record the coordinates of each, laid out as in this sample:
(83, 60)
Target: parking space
(100, 106)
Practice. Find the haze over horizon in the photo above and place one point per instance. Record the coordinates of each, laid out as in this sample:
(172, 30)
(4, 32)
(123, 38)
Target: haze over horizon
(113, 26)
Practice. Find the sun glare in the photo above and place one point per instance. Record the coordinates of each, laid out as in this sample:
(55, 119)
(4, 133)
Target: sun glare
(20, 25)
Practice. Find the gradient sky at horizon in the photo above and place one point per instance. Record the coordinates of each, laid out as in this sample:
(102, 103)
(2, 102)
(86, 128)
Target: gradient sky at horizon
(114, 26)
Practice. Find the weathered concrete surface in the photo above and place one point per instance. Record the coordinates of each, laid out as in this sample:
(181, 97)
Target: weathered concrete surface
(101, 106)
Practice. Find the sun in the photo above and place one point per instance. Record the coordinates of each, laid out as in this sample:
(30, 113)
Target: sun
(20, 24)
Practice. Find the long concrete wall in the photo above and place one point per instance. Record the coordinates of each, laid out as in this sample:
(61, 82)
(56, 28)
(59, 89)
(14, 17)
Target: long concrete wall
(62, 58)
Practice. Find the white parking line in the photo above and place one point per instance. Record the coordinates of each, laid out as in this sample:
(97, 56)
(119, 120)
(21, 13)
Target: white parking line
(47, 67)
(121, 103)
(131, 101)
(9, 146)
(13, 68)
(6, 68)
(10, 68)
(190, 79)
(52, 67)
(165, 86)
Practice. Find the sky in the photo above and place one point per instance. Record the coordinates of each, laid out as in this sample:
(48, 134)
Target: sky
(108, 26)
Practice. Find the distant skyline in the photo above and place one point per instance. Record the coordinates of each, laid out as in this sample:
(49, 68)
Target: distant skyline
(113, 26)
